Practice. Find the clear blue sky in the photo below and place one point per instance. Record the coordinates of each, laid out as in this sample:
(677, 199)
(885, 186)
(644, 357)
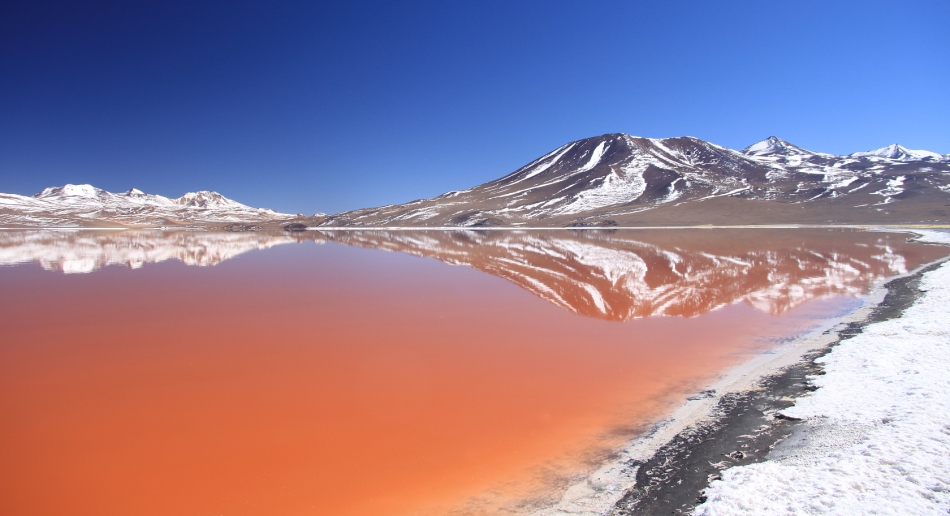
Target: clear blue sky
(327, 106)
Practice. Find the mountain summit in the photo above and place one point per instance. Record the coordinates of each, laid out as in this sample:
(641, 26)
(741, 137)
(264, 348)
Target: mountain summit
(900, 153)
(774, 145)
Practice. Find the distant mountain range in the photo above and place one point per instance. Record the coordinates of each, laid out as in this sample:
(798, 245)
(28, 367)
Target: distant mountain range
(608, 180)
(87, 206)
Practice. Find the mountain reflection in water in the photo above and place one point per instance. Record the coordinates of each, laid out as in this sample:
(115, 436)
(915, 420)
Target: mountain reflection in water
(615, 275)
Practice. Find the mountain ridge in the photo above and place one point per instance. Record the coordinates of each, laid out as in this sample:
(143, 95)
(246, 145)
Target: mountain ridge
(618, 179)
(85, 205)
(609, 180)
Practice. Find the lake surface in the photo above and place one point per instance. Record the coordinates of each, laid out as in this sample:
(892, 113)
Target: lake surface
(150, 372)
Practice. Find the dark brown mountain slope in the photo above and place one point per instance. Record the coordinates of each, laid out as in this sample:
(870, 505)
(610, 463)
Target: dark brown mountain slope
(617, 179)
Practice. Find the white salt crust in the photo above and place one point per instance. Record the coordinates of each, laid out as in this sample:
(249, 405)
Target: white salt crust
(876, 437)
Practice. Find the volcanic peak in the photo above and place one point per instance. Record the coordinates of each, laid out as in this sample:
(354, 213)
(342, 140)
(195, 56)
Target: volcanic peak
(774, 145)
(69, 190)
(900, 153)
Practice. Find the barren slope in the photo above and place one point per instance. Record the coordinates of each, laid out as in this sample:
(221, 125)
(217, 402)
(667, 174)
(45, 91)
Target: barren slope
(617, 179)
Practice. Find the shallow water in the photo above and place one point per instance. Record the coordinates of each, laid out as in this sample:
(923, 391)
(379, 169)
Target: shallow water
(254, 373)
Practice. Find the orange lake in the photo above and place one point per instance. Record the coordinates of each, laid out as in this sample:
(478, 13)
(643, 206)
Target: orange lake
(460, 371)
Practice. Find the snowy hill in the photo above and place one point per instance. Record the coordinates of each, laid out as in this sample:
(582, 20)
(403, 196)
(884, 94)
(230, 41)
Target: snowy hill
(86, 205)
(897, 152)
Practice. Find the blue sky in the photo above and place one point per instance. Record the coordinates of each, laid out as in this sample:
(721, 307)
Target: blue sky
(328, 106)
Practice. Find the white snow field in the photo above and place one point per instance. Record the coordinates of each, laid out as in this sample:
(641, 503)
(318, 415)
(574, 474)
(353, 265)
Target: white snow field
(876, 435)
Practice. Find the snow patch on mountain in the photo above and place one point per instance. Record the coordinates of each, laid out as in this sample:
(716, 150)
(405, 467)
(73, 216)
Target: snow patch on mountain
(894, 187)
(544, 165)
(594, 157)
(624, 184)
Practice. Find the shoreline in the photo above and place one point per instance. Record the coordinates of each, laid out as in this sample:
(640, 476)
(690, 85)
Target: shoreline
(872, 227)
(736, 421)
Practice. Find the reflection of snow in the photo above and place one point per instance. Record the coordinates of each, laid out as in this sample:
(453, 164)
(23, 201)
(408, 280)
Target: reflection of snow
(600, 275)
(876, 438)
(86, 251)
(894, 261)
(620, 278)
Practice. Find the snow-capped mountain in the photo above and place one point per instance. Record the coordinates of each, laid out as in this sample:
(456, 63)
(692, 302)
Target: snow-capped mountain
(87, 206)
(618, 179)
(774, 145)
(613, 179)
(900, 153)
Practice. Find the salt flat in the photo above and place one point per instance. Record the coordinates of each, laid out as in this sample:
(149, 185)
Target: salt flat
(876, 438)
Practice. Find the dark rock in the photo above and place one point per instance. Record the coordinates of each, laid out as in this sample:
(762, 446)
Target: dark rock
(241, 227)
(607, 223)
(491, 221)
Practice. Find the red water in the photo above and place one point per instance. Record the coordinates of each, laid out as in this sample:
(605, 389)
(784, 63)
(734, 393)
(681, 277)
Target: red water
(326, 380)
